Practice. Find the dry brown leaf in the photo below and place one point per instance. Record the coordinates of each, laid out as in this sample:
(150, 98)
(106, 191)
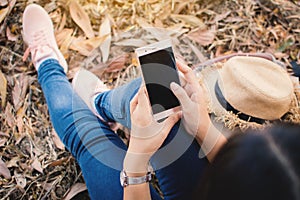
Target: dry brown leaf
(165, 11)
(63, 35)
(19, 90)
(74, 190)
(19, 120)
(152, 1)
(11, 5)
(4, 134)
(117, 63)
(233, 19)
(3, 138)
(3, 13)
(222, 16)
(58, 143)
(21, 180)
(48, 186)
(157, 33)
(197, 52)
(10, 36)
(63, 22)
(158, 23)
(202, 36)
(180, 7)
(59, 162)
(3, 141)
(9, 117)
(4, 171)
(64, 39)
(17, 95)
(293, 17)
(85, 47)
(37, 165)
(105, 30)
(131, 42)
(188, 19)
(3, 89)
(143, 23)
(13, 162)
(81, 18)
(177, 30)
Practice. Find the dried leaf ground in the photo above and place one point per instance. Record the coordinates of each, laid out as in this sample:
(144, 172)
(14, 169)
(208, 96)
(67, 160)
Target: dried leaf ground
(33, 165)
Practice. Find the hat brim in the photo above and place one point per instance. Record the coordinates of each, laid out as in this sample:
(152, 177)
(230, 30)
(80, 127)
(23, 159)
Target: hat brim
(209, 76)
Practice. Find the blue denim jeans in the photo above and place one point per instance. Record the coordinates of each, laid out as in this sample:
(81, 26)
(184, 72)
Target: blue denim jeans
(100, 152)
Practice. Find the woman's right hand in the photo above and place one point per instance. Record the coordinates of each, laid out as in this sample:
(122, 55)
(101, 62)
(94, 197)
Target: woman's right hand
(194, 107)
(195, 115)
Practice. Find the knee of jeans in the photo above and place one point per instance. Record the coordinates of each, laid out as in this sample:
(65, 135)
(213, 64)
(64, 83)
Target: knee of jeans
(76, 129)
(60, 108)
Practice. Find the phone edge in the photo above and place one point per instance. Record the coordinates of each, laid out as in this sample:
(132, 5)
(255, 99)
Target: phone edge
(158, 46)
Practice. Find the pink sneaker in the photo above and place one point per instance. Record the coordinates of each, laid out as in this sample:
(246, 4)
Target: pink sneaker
(38, 33)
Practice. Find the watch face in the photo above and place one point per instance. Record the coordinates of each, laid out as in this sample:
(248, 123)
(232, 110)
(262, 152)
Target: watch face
(123, 179)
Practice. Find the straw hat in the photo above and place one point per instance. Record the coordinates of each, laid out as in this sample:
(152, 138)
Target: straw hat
(249, 91)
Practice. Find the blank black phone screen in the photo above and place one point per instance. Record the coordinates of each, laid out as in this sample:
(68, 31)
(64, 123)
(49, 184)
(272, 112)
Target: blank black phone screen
(159, 71)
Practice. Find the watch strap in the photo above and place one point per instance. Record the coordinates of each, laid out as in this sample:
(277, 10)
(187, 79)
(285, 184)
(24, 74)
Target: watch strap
(139, 180)
(126, 180)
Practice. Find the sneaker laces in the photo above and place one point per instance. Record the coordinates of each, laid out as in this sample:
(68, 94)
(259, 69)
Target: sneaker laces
(40, 40)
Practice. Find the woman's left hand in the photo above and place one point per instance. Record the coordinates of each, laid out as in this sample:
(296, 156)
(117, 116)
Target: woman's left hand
(146, 135)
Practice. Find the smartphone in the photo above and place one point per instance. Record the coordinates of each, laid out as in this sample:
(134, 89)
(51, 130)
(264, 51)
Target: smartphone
(159, 70)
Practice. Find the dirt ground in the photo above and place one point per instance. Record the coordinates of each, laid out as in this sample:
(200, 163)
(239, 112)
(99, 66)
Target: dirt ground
(101, 36)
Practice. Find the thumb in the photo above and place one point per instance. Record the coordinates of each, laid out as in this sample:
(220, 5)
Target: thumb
(143, 100)
(181, 94)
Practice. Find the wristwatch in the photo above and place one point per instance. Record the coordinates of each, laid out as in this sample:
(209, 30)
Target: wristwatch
(125, 180)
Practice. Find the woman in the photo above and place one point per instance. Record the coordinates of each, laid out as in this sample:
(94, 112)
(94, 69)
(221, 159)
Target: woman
(101, 154)
(98, 150)
(256, 165)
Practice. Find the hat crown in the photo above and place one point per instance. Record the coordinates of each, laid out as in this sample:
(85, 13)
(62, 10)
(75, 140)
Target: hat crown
(256, 87)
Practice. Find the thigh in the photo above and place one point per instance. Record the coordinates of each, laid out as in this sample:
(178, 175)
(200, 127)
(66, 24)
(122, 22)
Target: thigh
(178, 167)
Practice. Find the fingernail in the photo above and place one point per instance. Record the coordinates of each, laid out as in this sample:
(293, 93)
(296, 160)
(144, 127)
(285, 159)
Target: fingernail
(174, 86)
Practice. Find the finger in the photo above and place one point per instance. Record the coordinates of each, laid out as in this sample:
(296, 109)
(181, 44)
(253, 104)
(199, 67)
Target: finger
(190, 90)
(143, 102)
(181, 94)
(133, 103)
(182, 79)
(134, 100)
(180, 58)
(188, 73)
(182, 67)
